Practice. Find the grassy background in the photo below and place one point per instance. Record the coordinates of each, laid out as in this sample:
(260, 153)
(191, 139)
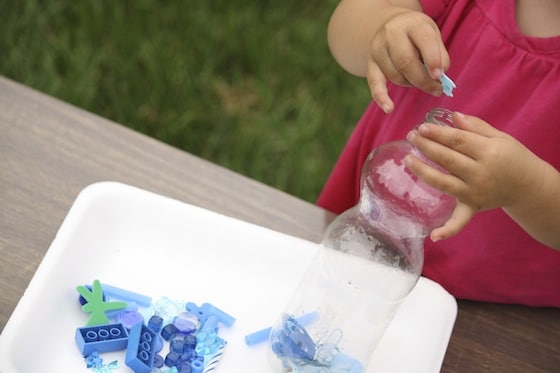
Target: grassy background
(247, 84)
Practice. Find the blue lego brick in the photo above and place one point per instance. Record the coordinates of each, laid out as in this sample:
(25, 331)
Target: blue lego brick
(101, 338)
(140, 350)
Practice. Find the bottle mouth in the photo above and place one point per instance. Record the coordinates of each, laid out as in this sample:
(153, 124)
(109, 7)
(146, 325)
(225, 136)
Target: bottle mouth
(440, 116)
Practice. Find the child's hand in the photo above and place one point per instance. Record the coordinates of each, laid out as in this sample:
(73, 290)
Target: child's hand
(408, 51)
(487, 168)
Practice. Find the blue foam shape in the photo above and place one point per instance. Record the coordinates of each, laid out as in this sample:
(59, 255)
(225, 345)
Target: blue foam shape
(346, 363)
(263, 334)
(101, 338)
(208, 309)
(140, 350)
(447, 85)
(126, 295)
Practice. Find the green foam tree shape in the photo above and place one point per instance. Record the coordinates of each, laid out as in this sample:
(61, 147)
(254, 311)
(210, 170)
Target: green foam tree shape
(95, 305)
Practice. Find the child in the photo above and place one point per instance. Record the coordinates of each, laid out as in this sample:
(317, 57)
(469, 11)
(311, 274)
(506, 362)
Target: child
(504, 57)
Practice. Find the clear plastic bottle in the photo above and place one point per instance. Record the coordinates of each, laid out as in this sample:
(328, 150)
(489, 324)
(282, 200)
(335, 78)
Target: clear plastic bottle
(370, 259)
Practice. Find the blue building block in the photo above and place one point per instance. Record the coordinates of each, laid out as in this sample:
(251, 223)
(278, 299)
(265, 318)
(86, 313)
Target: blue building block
(140, 350)
(101, 338)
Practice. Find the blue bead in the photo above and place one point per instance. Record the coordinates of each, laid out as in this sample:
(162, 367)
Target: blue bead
(177, 345)
(197, 366)
(155, 323)
(189, 342)
(189, 356)
(186, 322)
(169, 332)
(185, 368)
(158, 361)
(172, 359)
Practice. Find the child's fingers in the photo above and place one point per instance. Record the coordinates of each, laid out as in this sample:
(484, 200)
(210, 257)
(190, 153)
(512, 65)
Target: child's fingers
(460, 217)
(432, 50)
(378, 87)
(440, 180)
(433, 140)
(474, 125)
(408, 68)
(436, 148)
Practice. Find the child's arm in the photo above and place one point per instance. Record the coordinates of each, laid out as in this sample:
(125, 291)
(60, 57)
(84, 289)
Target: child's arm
(489, 169)
(388, 40)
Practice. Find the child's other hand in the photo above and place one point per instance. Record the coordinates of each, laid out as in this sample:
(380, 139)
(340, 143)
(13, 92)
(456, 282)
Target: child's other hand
(487, 168)
(408, 51)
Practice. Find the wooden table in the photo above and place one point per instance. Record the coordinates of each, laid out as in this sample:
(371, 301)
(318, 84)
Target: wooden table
(50, 151)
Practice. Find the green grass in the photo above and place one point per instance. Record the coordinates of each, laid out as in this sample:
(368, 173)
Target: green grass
(247, 84)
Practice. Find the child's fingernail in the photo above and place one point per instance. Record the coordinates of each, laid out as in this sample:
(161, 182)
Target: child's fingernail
(460, 115)
(423, 128)
(386, 108)
(407, 161)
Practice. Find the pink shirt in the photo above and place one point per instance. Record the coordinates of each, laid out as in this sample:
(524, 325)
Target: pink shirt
(512, 82)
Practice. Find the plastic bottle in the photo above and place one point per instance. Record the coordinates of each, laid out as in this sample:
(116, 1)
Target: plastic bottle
(370, 259)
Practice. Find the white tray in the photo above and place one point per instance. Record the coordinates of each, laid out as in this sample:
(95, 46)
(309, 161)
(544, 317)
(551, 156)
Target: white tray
(157, 246)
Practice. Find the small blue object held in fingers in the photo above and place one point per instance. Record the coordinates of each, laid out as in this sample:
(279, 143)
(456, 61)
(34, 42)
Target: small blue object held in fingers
(447, 85)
